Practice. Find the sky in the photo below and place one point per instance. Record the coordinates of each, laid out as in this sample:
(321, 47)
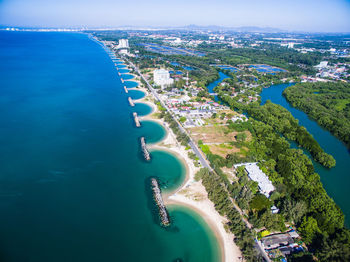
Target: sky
(295, 15)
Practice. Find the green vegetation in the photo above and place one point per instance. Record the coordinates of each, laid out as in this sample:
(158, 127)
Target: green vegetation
(181, 137)
(326, 103)
(204, 73)
(266, 54)
(217, 193)
(182, 119)
(299, 193)
(260, 202)
(283, 122)
(241, 137)
(293, 174)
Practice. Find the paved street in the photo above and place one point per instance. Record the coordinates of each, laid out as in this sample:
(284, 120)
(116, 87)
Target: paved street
(192, 144)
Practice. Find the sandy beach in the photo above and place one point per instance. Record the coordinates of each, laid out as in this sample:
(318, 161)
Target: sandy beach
(191, 193)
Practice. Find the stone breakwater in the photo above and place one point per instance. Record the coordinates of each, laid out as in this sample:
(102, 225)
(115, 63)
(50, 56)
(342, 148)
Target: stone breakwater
(144, 149)
(137, 121)
(131, 102)
(157, 195)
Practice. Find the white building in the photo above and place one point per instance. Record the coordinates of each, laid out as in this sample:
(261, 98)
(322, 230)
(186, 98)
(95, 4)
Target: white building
(255, 174)
(123, 46)
(323, 64)
(161, 77)
(123, 43)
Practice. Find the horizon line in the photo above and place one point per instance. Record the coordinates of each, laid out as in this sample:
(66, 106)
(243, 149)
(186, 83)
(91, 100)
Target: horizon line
(163, 28)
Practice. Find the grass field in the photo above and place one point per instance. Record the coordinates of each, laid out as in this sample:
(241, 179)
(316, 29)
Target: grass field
(218, 139)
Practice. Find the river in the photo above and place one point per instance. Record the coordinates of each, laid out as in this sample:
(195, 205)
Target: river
(212, 85)
(336, 180)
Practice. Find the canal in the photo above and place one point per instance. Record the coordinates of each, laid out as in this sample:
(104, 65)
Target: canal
(336, 180)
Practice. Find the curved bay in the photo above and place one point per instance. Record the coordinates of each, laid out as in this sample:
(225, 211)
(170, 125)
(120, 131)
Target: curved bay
(73, 184)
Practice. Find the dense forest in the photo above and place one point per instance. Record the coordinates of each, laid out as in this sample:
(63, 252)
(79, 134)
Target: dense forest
(327, 103)
(283, 123)
(299, 193)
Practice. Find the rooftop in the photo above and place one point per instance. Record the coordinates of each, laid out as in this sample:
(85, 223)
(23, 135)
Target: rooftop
(255, 174)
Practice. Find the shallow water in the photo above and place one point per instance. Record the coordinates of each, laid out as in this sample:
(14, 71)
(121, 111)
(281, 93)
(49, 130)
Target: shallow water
(73, 184)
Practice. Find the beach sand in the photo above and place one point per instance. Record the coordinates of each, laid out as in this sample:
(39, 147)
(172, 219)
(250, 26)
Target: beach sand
(191, 193)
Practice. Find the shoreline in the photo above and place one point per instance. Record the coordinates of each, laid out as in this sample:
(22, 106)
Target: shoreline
(227, 248)
(189, 188)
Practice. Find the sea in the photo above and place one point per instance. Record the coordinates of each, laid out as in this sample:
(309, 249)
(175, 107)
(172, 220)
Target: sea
(73, 183)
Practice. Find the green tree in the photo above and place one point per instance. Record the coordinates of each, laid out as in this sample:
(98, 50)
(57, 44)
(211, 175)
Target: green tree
(260, 202)
(309, 229)
(294, 210)
(241, 137)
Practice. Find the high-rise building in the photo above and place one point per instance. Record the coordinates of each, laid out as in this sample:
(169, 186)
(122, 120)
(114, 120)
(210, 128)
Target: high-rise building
(123, 43)
(162, 78)
(123, 46)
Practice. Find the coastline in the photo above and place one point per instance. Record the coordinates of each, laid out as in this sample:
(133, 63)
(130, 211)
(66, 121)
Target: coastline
(190, 193)
(189, 188)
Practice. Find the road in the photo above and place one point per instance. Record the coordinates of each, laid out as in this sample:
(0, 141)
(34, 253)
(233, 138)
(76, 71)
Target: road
(202, 159)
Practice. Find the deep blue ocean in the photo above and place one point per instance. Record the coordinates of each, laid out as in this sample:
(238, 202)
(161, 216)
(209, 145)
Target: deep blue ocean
(73, 184)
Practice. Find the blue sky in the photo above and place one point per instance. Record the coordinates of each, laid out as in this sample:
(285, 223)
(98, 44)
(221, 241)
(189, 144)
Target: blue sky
(304, 15)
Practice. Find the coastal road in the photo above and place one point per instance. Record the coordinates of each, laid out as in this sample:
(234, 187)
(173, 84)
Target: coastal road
(202, 159)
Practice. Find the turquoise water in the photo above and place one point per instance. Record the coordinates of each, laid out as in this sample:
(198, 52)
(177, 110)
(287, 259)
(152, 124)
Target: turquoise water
(136, 94)
(142, 109)
(73, 183)
(127, 76)
(152, 131)
(130, 84)
(335, 180)
(123, 71)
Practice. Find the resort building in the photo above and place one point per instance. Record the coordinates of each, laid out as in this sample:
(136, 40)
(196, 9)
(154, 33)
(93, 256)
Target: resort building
(162, 78)
(123, 43)
(255, 174)
(123, 46)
